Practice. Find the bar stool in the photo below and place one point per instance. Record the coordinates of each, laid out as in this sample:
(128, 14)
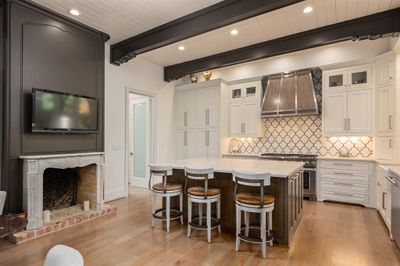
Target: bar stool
(165, 190)
(203, 195)
(253, 203)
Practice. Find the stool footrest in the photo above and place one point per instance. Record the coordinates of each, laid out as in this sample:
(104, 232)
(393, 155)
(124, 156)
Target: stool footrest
(196, 225)
(175, 214)
(252, 238)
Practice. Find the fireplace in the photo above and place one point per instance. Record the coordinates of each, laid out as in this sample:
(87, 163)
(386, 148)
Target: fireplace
(58, 182)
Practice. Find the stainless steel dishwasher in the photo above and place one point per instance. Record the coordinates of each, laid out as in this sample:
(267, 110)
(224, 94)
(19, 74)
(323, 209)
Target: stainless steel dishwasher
(395, 179)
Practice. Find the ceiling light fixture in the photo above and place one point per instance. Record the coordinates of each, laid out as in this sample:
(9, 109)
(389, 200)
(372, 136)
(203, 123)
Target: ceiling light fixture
(234, 32)
(74, 12)
(308, 9)
(181, 48)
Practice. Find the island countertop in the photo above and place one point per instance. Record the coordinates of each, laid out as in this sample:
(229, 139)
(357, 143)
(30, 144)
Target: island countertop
(226, 165)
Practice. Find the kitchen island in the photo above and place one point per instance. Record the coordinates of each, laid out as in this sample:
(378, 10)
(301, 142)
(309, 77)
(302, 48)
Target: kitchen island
(286, 186)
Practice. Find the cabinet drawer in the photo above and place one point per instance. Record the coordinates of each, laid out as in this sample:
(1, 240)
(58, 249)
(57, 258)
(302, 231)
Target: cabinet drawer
(350, 197)
(345, 165)
(342, 175)
(344, 186)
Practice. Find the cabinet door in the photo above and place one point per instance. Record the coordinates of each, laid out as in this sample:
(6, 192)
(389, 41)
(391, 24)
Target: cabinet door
(202, 107)
(192, 146)
(335, 80)
(359, 111)
(191, 107)
(334, 113)
(236, 119)
(213, 150)
(202, 140)
(385, 73)
(385, 148)
(181, 111)
(251, 91)
(180, 144)
(385, 108)
(251, 118)
(212, 114)
(360, 78)
(236, 93)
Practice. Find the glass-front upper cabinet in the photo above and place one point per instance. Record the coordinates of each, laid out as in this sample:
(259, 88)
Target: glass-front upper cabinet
(245, 91)
(336, 80)
(349, 78)
(360, 77)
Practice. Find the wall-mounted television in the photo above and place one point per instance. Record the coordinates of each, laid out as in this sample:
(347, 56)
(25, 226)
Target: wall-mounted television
(63, 113)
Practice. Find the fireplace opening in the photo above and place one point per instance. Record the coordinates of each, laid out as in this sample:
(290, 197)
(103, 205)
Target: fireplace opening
(60, 188)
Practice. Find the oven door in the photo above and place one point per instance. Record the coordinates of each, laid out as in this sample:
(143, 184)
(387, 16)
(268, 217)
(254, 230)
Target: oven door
(309, 183)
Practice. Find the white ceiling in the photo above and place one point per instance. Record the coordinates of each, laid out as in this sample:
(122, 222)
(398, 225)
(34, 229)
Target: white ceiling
(126, 18)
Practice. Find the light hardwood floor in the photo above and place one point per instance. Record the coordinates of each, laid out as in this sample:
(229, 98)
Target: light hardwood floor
(330, 234)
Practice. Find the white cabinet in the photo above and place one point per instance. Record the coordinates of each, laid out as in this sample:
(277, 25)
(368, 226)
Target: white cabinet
(345, 181)
(385, 72)
(385, 101)
(245, 109)
(383, 195)
(348, 78)
(198, 113)
(384, 148)
(347, 113)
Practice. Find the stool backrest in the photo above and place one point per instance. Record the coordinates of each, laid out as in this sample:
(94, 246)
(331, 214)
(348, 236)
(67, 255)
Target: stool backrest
(255, 179)
(159, 170)
(197, 173)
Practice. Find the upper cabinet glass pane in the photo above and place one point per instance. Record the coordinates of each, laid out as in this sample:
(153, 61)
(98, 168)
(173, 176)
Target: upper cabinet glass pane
(359, 77)
(250, 91)
(336, 81)
(236, 93)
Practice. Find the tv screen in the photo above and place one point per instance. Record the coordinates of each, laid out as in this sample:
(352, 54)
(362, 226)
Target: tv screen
(61, 112)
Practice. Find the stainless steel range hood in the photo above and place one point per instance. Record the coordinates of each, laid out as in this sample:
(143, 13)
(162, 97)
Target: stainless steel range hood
(289, 94)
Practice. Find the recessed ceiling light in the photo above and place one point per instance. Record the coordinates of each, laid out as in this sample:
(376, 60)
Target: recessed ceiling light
(74, 12)
(234, 32)
(181, 48)
(308, 9)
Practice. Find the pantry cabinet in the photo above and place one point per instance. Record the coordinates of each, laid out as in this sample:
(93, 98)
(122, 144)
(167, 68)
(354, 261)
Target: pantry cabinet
(245, 109)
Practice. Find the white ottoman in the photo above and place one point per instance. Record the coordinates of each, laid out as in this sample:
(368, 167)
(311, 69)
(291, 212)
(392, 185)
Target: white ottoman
(61, 255)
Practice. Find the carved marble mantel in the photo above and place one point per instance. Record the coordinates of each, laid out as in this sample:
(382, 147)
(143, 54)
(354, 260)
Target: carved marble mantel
(34, 167)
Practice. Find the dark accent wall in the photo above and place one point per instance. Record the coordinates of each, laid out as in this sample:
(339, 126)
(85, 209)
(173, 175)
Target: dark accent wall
(48, 51)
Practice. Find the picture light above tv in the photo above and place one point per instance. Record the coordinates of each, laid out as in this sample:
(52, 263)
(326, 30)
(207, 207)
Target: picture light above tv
(57, 112)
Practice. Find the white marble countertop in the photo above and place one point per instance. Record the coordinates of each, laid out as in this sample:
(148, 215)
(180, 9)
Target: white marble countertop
(346, 158)
(395, 169)
(251, 155)
(48, 156)
(226, 165)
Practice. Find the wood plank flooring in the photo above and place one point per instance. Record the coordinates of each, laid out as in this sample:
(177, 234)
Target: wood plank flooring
(330, 234)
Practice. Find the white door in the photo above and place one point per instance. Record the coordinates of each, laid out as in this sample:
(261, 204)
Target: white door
(236, 119)
(202, 107)
(202, 143)
(384, 148)
(192, 137)
(213, 143)
(180, 145)
(334, 113)
(385, 108)
(359, 111)
(251, 118)
(385, 73)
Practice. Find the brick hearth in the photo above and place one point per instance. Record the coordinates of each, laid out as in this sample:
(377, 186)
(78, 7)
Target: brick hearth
(27, 235)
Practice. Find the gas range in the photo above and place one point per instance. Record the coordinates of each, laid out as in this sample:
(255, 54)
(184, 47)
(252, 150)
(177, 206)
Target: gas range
(310, 160)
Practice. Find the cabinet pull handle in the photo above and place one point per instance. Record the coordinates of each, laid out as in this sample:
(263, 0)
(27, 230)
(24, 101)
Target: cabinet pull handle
(342, 173)
(390, 180)
(185, 138)
(208, 138)
(241, 128)
(344, 164)
(383, 200)
(343, 194)
(343, 184)
(390, 122)
(348, 123)
(185, 118)
(244, 127)
(345, 124)
(390, 143)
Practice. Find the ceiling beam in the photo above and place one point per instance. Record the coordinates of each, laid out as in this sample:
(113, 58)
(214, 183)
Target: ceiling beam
(213, 17)
(368, 27)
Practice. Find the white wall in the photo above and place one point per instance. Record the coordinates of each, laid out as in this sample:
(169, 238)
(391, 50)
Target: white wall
(316, 57)
(144, 76)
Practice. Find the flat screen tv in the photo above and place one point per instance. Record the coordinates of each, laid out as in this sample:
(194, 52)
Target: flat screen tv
(63, 113)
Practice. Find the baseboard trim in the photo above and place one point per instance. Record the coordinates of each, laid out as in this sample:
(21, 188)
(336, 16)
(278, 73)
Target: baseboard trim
(138, 182)
(114, 194)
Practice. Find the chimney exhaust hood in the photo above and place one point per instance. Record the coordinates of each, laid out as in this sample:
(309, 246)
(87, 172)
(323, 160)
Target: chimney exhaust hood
(289, 94)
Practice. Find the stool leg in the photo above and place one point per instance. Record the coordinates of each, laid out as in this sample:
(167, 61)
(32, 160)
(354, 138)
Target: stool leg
(181, 206)
(219, 214)
(209, 222)
(247, 222)
(200, 209)
(238, 225)
(153, 207)
(168, 212)
(189, 217)
(263, 232)
(270, 227)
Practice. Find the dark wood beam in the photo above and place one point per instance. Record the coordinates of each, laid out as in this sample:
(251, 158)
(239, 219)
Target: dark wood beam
(368, 27)
(207, 19)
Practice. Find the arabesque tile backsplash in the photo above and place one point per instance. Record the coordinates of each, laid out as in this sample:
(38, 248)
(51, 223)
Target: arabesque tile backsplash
(302, 134)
